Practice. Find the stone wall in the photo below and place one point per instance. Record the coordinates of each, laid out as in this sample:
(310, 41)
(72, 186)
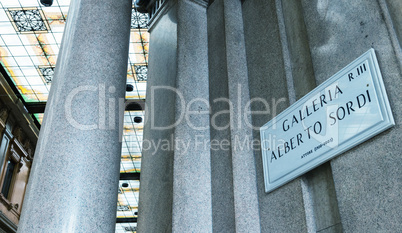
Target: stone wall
(264, 55)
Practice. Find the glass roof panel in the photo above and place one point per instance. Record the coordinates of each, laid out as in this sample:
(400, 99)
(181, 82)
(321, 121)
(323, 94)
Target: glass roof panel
(63, 2)
(126, 227)
(39, 117)
(128, 199)
(132, 142)
(30, 38)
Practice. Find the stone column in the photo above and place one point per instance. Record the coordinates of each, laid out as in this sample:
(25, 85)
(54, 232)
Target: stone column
(74, 178)
(192, 210)
(244, 169)
(281, 210)
(156, 192)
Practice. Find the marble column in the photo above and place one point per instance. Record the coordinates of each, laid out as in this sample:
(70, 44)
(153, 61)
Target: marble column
(192, 210)
(244, 169)
(74, 178)
(156, 192)
(281, 210)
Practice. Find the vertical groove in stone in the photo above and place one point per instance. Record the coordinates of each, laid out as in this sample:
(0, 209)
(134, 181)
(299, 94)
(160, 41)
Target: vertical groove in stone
(392, 17)
(325, 205)
(286, 53)
(192, 210)
(394, 9)
(74, 179)
(223, 212)
(308, 201)
(281, 210)
(297, 46)
(289, 45)
(244, 169)
(319, 195)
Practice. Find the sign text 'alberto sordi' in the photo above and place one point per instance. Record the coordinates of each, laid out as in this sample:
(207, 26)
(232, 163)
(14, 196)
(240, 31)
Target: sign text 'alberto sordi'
(339, 114)
(345, 110)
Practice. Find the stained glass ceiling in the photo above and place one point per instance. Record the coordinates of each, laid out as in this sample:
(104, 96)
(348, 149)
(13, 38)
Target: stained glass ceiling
(30, 38)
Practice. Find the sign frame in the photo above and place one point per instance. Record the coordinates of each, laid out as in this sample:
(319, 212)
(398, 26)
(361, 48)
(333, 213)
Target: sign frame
(275, 177)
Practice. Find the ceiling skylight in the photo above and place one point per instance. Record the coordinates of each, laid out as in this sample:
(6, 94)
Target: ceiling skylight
(30, 39)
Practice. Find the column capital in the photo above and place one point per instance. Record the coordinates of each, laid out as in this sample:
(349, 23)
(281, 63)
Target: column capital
(157, 8)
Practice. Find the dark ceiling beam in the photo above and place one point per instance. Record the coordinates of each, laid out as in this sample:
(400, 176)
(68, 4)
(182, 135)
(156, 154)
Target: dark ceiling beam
(38, 107)
(130, 176)
(131, 105)
(135, 104)
(126, 220)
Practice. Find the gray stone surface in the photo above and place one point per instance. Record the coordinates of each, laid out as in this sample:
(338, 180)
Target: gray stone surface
(229, 80)
(74, 178)
(156, 191)
(244, 169)
(325, 205)
(395, 8)
(337, 228)
(281, 210)
(223, 215)
(287, 54)
(298, 47)
(320, 203)
(192, 205)
(367, 178)
(179, 78)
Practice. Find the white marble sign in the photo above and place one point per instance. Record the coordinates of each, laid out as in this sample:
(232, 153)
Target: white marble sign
(347, 109)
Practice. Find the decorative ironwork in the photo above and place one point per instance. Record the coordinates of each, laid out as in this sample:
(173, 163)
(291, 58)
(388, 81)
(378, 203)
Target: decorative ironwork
(141, 72)
(28, 20)
(139, 20)
(156, 6)
(130, 228)
(47, 74)
(123, 208)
